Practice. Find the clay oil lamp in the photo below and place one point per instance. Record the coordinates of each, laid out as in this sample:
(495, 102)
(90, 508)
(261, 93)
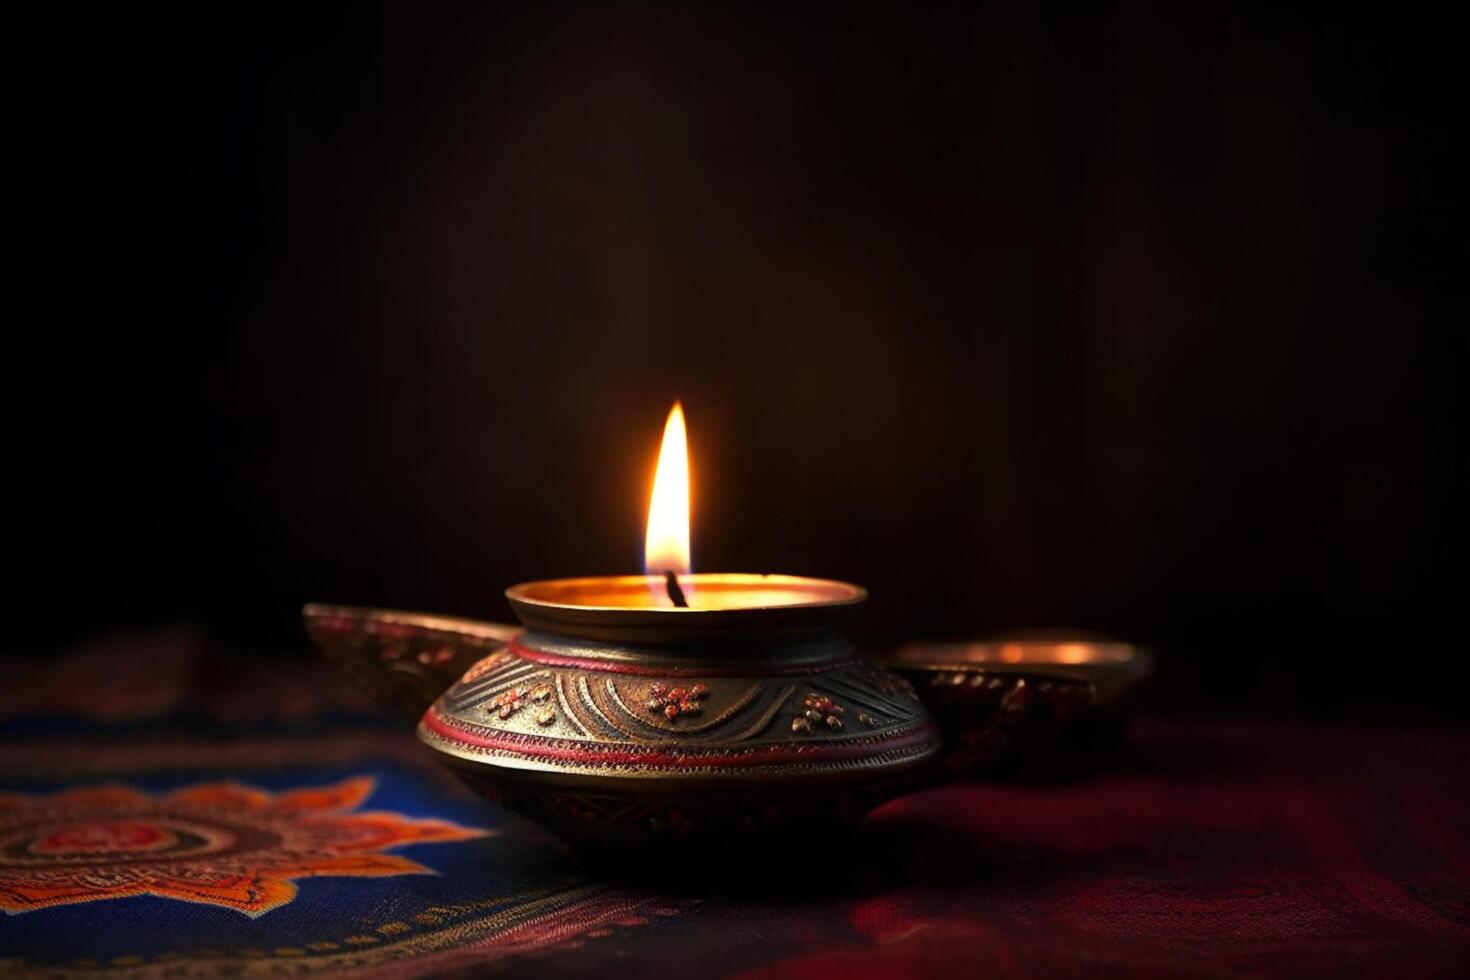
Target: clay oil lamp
(650, 708)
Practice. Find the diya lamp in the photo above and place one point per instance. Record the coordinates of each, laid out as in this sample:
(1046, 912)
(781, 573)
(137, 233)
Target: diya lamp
(644, 708)
(1031, 704)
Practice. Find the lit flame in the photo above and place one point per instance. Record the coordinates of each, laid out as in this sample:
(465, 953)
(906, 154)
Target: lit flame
(666, 545)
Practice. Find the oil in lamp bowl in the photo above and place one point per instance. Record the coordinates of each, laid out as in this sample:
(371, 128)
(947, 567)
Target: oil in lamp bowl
(1027, 704)
(612, 720)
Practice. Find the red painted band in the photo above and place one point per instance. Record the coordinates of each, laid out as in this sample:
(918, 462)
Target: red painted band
(770, 755)
(682, 670)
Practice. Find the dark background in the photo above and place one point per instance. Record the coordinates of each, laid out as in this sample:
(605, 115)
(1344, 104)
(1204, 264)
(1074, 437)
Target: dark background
(1134, 318)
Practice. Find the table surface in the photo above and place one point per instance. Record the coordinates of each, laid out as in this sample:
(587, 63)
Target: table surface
(166, 812)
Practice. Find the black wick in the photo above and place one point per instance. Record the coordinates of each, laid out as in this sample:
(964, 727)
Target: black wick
(676, 594)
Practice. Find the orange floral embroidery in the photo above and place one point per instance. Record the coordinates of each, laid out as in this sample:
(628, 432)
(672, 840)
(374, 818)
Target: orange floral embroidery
(222, 844)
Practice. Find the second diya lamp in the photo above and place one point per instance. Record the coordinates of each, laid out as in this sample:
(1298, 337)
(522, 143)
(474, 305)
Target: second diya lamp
(1028, 705)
